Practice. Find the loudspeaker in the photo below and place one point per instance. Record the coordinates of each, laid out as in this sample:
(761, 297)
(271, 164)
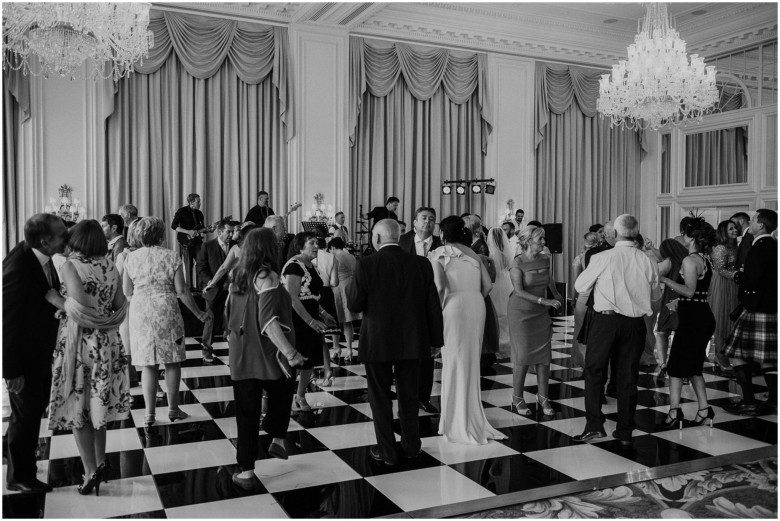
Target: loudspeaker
(553, 236)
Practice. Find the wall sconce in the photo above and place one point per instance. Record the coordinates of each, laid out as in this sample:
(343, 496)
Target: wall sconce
(66, 206)
(319, 211)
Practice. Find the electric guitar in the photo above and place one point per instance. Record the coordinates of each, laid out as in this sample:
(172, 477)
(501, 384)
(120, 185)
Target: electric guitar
(189, 240)
(293, 207)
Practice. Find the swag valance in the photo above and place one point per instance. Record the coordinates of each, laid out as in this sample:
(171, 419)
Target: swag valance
(376, 69)
(203, 44)
(558, 85)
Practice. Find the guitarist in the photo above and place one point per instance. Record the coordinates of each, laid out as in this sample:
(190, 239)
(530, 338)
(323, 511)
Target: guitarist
(188, 223)
(260, 212)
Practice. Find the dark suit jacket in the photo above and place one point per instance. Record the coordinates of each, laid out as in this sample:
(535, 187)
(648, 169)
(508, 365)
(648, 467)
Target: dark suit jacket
(118, 247)
(210, 258)
(758, 283)
(406, 242)
(593, 251)
(402, 316)
(744, 248)
(29, 326)
(480, 247)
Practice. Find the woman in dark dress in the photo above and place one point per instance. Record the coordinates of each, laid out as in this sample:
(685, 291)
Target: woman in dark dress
(696, 323)
(260, 359)
(303, 283)
(673, 251)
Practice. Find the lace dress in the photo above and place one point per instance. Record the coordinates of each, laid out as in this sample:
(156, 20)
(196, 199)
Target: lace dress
(156, 325)
(724, 291)
(100, 392)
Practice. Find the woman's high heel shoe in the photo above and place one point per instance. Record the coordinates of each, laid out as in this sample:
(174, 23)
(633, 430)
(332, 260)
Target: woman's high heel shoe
(544, 403)
(177, 414)
(301, 404)
(93, 482)
(326, 381)
(521, 408)
(676, 421)
(149, 420)
(699, 419)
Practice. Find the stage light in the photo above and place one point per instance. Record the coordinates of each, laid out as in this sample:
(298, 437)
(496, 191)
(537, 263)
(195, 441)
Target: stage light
(460, 189)
(490, 189)
(446, 190)
(476, 189)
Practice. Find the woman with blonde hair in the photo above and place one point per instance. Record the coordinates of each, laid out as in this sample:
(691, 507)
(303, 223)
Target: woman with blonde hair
(592, 239)
(154, 282)
(530, 324)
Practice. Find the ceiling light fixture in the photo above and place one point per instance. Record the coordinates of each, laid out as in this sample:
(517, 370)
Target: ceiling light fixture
(657, 84)
(64, 36)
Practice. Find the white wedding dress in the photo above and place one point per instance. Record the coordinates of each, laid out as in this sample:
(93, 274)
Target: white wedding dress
(462, 417)
(502, 254)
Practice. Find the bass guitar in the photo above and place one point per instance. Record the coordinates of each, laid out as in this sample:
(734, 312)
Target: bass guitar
(189, 240)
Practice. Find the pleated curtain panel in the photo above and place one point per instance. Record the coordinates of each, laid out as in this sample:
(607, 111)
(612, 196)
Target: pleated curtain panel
(417, 116)
(16, 110)
(210, 112)
(586, 172)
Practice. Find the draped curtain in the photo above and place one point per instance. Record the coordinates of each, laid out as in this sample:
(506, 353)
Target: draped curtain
(16, 111)
(417, 118)
(718, 157)
(586, 172)
(210, 111)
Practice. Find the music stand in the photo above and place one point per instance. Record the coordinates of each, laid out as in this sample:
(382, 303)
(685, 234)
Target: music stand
(318, 228)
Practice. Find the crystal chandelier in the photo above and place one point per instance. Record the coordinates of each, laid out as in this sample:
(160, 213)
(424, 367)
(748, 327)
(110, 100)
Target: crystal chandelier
(657, 85)
(64, 36)
(66, 206)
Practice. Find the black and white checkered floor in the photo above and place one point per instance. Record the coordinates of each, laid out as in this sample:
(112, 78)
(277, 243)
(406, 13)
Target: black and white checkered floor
(184, 469)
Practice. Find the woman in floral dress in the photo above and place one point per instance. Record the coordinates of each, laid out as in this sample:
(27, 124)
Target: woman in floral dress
(89, 374)
(154, 279)
(723, 290)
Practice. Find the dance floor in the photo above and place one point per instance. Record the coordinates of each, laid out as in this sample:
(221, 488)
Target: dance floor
(184, 469)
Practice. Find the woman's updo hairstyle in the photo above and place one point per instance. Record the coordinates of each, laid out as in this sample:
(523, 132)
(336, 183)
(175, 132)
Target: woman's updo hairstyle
(453, 229)
(528, 234)
(702, 233)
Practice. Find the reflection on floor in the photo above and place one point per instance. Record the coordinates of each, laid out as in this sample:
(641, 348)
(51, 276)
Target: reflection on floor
(746, 490)
(184, 469)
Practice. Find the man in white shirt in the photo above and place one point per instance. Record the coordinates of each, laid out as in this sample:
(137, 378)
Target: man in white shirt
(337, 229)
(421, 242)
(113, 225)
(624, 282)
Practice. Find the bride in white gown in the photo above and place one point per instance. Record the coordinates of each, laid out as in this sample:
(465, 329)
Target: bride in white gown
(462, 282)
(501, 253)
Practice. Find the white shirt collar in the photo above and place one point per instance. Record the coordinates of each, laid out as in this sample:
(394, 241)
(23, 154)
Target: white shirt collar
(624, 244)
(388, 244)
(417, 239)
(755, 239)
(223, 244)
(42, 257)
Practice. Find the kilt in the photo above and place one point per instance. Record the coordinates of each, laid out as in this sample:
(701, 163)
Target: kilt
(754, 337)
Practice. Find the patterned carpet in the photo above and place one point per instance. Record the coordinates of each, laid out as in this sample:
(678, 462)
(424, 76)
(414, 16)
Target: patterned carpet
(747, 490)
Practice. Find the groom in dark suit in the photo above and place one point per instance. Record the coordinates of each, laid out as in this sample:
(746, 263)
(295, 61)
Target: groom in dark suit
(29, 335)
(421, 241)
(210, 258)
(402, 321)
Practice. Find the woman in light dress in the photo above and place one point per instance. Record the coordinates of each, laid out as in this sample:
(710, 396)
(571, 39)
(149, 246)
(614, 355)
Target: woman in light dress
(502, 254)
(463, 282)
(153, 279)
(346, 269)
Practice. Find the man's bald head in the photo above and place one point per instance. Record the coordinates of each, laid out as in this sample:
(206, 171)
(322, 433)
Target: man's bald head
(386, 231)
(276, 223)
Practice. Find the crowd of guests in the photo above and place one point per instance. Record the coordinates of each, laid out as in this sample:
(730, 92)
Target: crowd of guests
(113, 305)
